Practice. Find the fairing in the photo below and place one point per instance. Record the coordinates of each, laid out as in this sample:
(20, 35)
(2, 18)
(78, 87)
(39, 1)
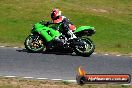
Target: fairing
(47, 32)
(82, 28)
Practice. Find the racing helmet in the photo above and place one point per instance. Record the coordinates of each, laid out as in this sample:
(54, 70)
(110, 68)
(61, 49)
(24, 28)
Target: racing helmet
(55, 13)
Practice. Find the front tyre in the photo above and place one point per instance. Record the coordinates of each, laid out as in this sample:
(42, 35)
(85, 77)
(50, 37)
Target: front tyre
(34, 44)
(85, 49)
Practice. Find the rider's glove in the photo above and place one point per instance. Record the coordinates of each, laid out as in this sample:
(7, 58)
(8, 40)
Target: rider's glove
(48, 23)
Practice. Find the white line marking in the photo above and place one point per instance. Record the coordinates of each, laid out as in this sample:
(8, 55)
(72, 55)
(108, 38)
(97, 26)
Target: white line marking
(118, 55)
(106, 54)
(56, 79)
(2, 46)
(42, 78)
(15, 47)
(70, 80)
(94, 53)
(130, 56)
(28, 77)
(10, 76)
(126, 84)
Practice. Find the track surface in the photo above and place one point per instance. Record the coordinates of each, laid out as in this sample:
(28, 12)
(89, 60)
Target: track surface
(56, 66)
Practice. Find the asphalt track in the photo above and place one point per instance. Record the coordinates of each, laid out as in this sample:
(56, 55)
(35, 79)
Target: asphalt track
(17, 62)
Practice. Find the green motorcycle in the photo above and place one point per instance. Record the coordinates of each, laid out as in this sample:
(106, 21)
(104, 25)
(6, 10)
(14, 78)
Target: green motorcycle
(49, 37)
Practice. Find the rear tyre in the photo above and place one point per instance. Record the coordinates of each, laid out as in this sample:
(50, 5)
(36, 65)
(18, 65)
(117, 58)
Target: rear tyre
(34, 44)
(85, 50)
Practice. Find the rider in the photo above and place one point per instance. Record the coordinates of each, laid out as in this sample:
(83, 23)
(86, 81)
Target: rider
(67, 26)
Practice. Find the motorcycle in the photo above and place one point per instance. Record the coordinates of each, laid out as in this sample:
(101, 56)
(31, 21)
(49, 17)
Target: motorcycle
(46, 37)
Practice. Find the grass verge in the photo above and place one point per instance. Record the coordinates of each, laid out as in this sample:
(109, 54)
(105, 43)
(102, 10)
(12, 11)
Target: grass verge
(30, 83)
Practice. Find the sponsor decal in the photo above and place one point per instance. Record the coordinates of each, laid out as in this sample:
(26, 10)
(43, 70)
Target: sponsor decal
(83, 77)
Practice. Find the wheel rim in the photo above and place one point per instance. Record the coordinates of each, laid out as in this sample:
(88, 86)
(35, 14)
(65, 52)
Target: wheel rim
(85, 48)
(34, 43)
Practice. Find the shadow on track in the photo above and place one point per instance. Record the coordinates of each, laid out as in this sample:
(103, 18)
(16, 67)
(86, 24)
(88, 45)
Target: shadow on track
(49, 52)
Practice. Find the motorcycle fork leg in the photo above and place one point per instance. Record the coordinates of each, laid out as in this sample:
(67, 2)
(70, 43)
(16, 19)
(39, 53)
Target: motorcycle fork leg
(36, 39)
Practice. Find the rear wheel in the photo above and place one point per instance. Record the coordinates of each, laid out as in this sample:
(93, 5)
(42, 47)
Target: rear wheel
(85, 49)
(34, 43)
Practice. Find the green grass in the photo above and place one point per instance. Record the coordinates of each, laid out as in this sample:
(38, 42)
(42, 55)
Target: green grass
(111, 18)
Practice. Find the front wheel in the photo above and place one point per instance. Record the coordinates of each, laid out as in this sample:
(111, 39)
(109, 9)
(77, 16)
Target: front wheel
(34, 43)
(86, 48)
